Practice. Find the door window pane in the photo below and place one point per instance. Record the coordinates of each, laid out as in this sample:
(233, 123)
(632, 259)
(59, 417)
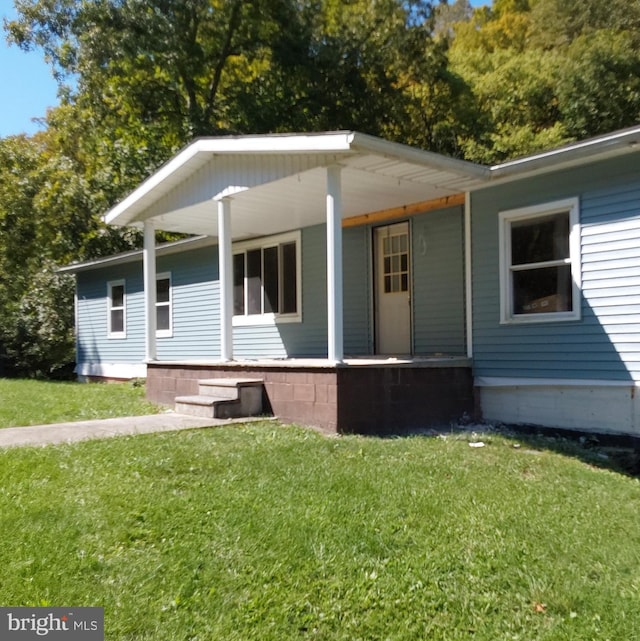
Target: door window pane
(396, 263)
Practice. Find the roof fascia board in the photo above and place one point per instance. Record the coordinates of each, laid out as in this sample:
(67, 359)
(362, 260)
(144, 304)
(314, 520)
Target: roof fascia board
(153, 181)
(615, 144)
(334, 141)
(266, 144)
(365, 142)
(135, 255)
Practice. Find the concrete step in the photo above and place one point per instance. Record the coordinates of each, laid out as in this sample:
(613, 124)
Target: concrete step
(208, 407)
(227, 387)
(223, 398)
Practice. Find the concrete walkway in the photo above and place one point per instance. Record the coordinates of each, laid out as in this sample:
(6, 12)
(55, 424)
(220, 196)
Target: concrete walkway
(84, 430)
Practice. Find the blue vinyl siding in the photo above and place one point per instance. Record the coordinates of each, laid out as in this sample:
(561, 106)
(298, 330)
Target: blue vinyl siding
(438, 296)
(195, 306)
(438, 282)
(605, 343)
(356, 244)
(93, 343)
(196, 311)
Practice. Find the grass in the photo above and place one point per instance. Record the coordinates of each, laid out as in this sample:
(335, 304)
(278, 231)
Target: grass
(268, 532)
(27, 402)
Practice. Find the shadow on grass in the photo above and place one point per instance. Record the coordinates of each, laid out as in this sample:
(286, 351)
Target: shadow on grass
(618, 453)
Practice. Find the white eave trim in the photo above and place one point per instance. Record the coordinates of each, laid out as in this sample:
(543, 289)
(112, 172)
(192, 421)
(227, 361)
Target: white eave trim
(136, 254)
(262, 144)
(473, 177)
(398, 151)
(201, 150)
(572, 155)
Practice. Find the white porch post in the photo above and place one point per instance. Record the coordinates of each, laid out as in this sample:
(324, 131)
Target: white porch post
(225, 259)
(149, 275)
(335, 348)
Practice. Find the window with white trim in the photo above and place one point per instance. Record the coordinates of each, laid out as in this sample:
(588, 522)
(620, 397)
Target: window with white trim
(117, 312)
(164, 311)
(266, 280)
(540, 263)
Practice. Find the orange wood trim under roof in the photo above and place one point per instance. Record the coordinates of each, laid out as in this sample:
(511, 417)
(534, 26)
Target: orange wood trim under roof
(404, 211)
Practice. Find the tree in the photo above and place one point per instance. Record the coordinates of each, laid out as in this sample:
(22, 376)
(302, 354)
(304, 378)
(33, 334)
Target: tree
(36, 305)
(599, 83)
(20, 181)
(546, 72)
(37, 332)
(183, 68)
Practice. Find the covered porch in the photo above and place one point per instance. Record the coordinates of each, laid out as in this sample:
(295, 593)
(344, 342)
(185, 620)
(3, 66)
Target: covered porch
(238, 190)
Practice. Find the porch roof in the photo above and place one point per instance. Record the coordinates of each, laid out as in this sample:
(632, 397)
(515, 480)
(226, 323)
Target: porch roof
(278, 182)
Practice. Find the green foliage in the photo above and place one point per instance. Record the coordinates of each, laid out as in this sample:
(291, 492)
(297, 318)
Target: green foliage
(270, 532)
(37, 330)
(546, 72)
(599, 84)
(161, 72)
(19, 185)
(48, 216)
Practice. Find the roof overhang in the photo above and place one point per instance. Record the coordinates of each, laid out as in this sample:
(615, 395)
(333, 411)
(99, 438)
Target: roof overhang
(136, 255)
(278, 182)
(617, 143)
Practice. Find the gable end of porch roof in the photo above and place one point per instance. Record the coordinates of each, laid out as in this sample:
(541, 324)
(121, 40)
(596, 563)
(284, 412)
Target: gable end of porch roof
(282, 178)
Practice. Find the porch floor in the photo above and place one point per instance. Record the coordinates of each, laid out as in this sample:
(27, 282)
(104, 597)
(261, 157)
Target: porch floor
(369, 395)
(351, 361)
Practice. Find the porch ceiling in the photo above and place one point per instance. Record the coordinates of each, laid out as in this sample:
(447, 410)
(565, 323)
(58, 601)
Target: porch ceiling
(278, 183)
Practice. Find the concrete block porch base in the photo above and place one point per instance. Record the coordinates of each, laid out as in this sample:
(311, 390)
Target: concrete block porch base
(365, 396)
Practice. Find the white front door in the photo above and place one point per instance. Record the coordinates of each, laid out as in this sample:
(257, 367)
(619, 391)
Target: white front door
(392, 289)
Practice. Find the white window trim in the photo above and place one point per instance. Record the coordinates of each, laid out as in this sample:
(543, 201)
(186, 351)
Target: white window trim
(249, 320)
(166, 333)
(110, 285)
(572, 205)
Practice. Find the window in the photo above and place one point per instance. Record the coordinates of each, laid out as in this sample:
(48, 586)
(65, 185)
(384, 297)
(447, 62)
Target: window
(266, 280)
(164, 324)
(395, 254)
(117, 318)
(540, 263)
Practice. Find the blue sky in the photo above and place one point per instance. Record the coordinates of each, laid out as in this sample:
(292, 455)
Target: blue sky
(27, 87)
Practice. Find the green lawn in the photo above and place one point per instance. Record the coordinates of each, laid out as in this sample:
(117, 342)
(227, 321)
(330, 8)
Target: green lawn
(26, 402)
(268, 532)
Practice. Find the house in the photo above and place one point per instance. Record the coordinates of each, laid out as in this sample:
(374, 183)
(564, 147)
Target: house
(374, 287)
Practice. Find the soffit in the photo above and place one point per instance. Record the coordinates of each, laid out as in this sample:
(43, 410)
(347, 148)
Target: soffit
(275, 189)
